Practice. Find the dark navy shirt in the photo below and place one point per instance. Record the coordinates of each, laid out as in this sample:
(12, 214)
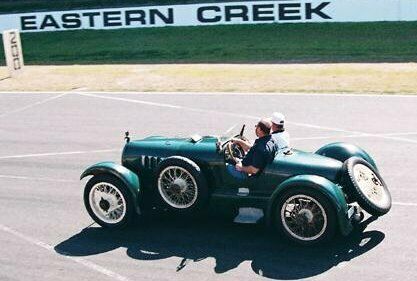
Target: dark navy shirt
(261, 153)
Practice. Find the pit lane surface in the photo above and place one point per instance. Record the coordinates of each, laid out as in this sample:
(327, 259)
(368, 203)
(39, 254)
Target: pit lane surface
(47, 140)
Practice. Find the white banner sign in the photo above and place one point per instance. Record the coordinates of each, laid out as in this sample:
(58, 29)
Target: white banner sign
(13, 51)
(255, 12)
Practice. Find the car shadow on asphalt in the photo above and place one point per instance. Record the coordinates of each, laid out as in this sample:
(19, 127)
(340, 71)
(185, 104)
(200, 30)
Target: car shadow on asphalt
(161, 237)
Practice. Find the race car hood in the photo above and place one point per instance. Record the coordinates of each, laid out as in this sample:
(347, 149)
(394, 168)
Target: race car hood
(137, 153)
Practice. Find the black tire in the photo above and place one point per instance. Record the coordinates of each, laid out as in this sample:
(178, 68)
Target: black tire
(324, 217)
(365, 185)
(122, 195)
(192, 189)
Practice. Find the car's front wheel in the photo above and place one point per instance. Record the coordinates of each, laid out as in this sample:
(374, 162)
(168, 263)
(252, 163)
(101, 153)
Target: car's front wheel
(305, 216)
(108, 201)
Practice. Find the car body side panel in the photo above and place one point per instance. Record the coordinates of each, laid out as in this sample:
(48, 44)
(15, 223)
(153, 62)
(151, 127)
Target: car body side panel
(129, 178)
(322, 185)
(298, 163)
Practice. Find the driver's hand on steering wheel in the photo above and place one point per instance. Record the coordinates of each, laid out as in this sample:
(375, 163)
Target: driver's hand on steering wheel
(245, 145)
(237, 141)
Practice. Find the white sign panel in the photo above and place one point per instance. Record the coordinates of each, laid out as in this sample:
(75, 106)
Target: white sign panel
(255, 12)
(13, 51)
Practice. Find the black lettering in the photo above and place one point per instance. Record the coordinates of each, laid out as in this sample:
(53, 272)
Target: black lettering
(259, 14)
(71, 20)
(237, 11)
(166, 19)
(202, 18)
(49, 21)
(15, 51)
(16, 63)
(13, 38)
(91, 18)
(112, 19)
(28, 23)
(130, 16)
(317, 10)
(287, 11)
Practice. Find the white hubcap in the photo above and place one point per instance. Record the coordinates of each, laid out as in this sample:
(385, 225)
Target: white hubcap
(107, 202)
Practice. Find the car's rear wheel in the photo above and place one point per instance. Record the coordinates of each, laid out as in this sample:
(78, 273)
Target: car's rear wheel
(108, 201)
(365, 185)
(181, 185)
(305, 216)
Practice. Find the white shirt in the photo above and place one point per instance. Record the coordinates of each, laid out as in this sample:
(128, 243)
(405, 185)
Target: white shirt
(282, 141)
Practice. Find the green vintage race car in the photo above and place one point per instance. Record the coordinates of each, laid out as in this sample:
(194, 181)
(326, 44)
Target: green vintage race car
(307, 197)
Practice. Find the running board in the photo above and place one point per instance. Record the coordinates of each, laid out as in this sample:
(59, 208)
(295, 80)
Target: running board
(239, 197)
(249, 215)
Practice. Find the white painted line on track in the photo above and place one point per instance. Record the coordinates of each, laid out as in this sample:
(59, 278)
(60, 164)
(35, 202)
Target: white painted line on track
(171, 106)
(401, 134)
(246, 116)
(353, 136)
(326, 137)
(134, 101)
(405, 204)
(32, 105)
(318, 94)
(35, 179)
(58, 153)
(79, 260)
(354, 133)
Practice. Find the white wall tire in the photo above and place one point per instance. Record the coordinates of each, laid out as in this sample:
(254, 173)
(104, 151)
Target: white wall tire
(108, 201)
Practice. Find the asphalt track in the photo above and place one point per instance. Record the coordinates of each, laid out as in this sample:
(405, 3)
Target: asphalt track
(46, 140)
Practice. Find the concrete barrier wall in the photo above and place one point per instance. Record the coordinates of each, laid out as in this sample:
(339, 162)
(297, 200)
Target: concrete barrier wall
(263, 12)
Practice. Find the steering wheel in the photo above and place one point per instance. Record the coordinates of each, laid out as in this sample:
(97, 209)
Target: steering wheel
(235, 151)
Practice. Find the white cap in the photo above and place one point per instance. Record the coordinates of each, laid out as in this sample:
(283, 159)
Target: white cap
(278, 118)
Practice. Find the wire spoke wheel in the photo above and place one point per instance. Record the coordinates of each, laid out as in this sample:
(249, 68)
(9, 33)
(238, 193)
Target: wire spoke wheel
(364, 184)
(303, 217)
(177, 187)
(369, 184)
(107, 202)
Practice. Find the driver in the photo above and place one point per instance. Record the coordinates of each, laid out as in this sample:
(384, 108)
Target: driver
(259, 154)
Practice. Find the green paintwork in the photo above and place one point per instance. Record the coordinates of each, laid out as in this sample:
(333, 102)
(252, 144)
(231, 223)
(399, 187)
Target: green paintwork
(321, 170)
(343, 151)
(333, 192)
(129, 178)
(143, 156)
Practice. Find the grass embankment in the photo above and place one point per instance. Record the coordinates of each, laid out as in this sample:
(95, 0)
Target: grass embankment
(335, 42)
(323, 78)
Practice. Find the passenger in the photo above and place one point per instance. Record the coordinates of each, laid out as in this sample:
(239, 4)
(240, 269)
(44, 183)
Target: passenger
(280, 136)
(259, 154)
